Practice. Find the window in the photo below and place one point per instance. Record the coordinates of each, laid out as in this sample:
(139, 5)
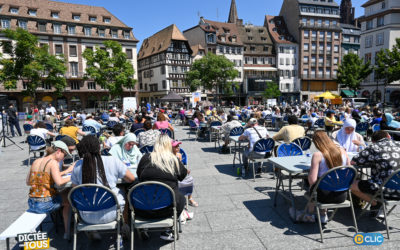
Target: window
(5, 23)
(327, 11)
(92, 18)
(379, 39)
(164, 84)
(314, 47)
(23, 24)
(71, 30)
(281, 50)
(265, 49)
(306, 34)
(380, 21)
(89, 48)
(32, 12)
(368, 41)
(370, 24)
(328, 48)
(42, 27)
(367, 57)
(336, 60)
(210, 38)
(54, 15)
(346, 38)
(329, 35)
(327, 22)
(320, 73)
(254, 60)
(114, 33)
(107, 20)
(319, 22)
(46, 86)
(304, 21)
(57, 28)
(336, 35)
(305, 60)
(287, 61)
(252, 48)
(305, 73)
(72, 51)
(281, 61)
(250, 38)
(73, 68)
(311, 22)
(321, 48)
(306, 47)
(263, 39)
(228, 50)
(75, 85)
(336, 48)
(321, 35)
(127, 35)
(102, 33)
(314, 34)
(128, 53)
(88, 31)
(91, 85)
(58, 49)
(13, 10)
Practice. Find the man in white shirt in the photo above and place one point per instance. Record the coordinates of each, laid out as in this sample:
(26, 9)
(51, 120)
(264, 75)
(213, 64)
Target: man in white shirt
(253, 134)
(233, 122)
(51, 109)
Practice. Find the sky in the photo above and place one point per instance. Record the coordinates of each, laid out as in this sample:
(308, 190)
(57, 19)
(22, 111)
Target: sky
(147, 17)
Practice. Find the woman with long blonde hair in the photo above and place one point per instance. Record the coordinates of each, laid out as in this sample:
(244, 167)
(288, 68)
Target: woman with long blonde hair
(329, 155)
(163, 166)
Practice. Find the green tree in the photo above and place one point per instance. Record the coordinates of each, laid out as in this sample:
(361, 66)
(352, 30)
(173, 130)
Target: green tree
(387, 65)
(110, 68)
(27, 62)
(214, 73)
(271, 91)
(352, 71)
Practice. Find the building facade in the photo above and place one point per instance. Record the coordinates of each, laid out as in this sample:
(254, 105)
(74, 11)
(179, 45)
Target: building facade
(286, 58)
(380, 26)
(68, 29)
(347, 12)
(220, 39)
(315, 25)
(163, 60)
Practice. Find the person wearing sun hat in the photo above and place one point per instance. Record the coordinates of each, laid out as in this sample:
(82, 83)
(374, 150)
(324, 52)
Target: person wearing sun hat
(43, 174)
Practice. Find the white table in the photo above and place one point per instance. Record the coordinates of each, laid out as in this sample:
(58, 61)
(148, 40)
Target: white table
(237, 148)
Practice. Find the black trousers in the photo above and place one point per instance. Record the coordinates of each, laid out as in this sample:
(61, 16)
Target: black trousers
(12, 123)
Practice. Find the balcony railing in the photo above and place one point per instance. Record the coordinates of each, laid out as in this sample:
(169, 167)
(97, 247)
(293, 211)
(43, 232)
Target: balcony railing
(74, 74)
(180, 89)
(318, 76)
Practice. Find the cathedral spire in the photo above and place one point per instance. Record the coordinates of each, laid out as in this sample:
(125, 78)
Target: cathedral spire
(233, 15)
(347, 12)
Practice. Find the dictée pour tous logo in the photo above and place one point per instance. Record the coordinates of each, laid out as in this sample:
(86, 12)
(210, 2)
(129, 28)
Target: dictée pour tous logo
(30, 241)
(368, 239)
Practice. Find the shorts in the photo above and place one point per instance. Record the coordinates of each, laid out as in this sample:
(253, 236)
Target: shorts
(43, 207)
(325, 197)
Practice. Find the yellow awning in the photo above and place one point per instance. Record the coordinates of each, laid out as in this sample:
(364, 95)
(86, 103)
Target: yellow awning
(47, 99)
(327, 95)
(27, 99)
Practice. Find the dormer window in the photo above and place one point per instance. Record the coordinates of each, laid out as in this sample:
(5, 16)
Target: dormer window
(107, 20)
(260, 31)
(92, 19)
(55, 15)
(32, 12)
(13, 10)
(234, 39)
(76, 17)
(127, 35)
(226, 31)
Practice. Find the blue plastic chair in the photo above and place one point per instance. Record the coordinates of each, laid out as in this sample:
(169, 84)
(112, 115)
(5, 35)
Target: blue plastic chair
(362, 128)
(49, 127)
(146, 149)
(138, 131)
(167, 131)
(303, 142)
(90, 129)
(337, 179)
(36, 141)
(184, 157)
(212, 132)
(92, 198)
(376, 127)
(152, 196)
(236, 131)
(111, 124)
(193, 127)
(27, 128)
(288, 150)
(105, 151)
(262, 146)
(59, 137)
(320, 123)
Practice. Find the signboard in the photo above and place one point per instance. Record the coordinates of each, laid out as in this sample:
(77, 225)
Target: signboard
(30, 241)
(129, 103)
(271, 102)
(196, 97)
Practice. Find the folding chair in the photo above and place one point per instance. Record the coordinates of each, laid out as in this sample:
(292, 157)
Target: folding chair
(94, 197)
(193, 127)
(236, 131)
(38, 142)
(59, 137)
(147, 149)
(319, 124)
(111, 124)
(262, 147)
(376, 127)
(213, 132)
(290, 149)
(90, 129)
(303, 142)
(152, 196)
(49, 127)
(168, 132)
(138, 131)
(337, 179)
(268, 120)
(185, 190)
(27, 128)
(392, 184)
(362, 128)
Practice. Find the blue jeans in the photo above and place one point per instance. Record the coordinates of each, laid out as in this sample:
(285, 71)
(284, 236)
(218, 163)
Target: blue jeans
(44, 207)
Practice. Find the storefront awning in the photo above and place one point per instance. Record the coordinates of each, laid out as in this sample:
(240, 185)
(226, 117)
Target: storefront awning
(27, 99)
(348, 93)
(47, 99)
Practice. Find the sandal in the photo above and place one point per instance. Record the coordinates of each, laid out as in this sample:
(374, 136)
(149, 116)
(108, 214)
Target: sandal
(193, 203)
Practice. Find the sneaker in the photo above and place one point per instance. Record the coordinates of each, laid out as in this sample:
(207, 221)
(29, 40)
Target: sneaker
(189, 215)
(324, 218)
(167, 235)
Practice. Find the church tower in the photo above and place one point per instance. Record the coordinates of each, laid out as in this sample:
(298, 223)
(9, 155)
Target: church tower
(233, 15)
(346, 12)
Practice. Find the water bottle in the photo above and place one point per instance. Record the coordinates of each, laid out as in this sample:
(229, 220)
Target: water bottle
(238, 171)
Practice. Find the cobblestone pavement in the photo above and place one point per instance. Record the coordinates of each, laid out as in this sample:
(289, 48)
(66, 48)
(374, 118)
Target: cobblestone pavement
(233, 213)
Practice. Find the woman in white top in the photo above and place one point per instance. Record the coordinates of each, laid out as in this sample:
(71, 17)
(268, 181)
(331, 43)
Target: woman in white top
(348, 138)
(40, 130)
(328, 156)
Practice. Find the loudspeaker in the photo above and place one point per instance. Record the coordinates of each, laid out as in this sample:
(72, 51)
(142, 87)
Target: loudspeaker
(3, 102)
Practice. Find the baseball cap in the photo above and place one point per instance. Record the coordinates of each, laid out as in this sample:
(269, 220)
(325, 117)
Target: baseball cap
(175, 143)
(253, 121)
(61, 145)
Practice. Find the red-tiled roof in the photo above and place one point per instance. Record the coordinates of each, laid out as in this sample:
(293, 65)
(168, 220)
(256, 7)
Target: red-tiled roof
(278, 30)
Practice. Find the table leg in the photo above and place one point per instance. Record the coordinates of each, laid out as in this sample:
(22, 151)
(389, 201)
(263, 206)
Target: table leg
(69, 224)
(278, 183)
(234, 154)
(290, 191)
